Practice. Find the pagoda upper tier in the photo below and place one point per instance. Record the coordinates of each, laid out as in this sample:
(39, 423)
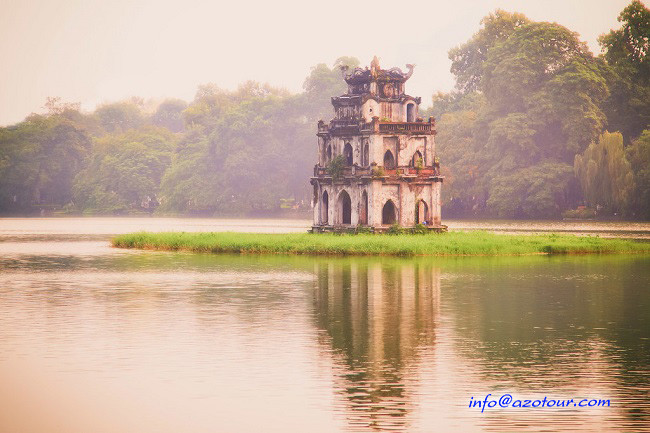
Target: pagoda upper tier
(377, 82)
(375, 95)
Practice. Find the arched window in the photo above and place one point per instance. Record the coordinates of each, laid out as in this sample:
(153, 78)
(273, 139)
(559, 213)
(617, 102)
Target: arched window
(389, 160)
(363, 211)
(344, 210)
(421, 212)
(410, 112)
(324, 209)
(347, 152)
(329, 153)
(417, 156)
(388, 214)
(366, 157)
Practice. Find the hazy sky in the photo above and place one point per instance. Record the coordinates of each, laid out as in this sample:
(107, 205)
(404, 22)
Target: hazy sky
(93, 51)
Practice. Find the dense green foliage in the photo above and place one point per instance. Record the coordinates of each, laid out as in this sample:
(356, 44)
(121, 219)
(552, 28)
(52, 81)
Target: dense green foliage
(626, 51)
(468, 60)
(605, 174)
(244, 151)
(336, 167)
(226, 152)
(39, 159)
(452, 243)
(530, 99)
(638, 154)
(520, 137)
(541, 92)
(124, 171)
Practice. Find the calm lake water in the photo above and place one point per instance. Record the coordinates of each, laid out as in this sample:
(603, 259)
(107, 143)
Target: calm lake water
(97, 339)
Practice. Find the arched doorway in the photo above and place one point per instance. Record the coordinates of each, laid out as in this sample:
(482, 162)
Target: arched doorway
(389, 213)
(344, 208)
(324, 209)
(363, 211)
(410, 112)
(347, 152)
(417, 156)
(389, 160)
(421, 212)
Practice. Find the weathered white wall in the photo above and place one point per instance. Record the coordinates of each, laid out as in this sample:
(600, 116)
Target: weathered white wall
(335, 215)
(408, 146)
(392, 144)
(404, 195)
(369, 109)
(436, 203)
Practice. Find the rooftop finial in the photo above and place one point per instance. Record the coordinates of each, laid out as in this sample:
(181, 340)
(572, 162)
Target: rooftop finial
(375, 63)
(374, 67)
(410, 67)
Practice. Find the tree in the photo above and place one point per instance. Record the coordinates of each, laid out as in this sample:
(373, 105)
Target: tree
(38, 161)
(461, 158)
(544, 72)
(243, 152)
(529, 99)
(533, 192)
(605, 174)
(55, 106)
(169, 114)
(638, 154)
(626, 51)
(468, 59)
(125, 171)
(442, 103)
(321, 84)
(119, 116)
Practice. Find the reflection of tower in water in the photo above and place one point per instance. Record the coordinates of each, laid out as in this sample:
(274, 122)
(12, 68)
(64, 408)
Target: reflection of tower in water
(378, 317)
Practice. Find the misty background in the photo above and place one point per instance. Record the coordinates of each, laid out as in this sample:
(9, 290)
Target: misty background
(164, 107)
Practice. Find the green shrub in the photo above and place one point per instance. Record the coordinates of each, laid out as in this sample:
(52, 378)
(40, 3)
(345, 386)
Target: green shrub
(378, 171)
(336, 167)
(364, 229)
(395, 229)
(420, 229)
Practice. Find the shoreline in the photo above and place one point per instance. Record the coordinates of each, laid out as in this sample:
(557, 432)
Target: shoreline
(471, 243)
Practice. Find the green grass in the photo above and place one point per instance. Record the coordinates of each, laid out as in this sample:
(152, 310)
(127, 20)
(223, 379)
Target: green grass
(443, 244)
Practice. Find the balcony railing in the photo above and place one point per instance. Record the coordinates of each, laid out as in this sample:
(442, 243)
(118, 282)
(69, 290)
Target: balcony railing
(406, 127)
(351, 127)
(424, 171)
(355, 170)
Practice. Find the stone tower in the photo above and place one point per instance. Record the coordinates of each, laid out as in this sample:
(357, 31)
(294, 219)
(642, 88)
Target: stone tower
(377, 162)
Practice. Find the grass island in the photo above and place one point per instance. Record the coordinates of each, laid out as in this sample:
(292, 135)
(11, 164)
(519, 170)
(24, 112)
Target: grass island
(471, 243)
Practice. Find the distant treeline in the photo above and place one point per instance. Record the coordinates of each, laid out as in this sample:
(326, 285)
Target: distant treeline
(249, 151)
(523, 135)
